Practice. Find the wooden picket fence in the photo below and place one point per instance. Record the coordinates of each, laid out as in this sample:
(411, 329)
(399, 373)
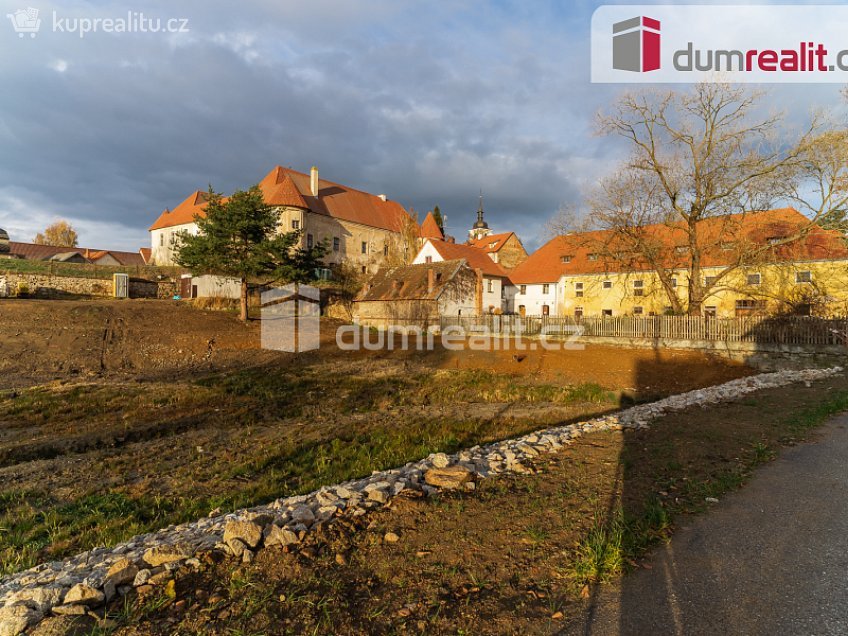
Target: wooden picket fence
(789, 330)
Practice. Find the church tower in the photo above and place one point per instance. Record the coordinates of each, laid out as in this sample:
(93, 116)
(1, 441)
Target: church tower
(480, 228)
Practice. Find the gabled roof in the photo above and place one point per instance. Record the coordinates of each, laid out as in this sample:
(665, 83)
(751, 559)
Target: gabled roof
(431, 229)
(146, 254)
(570, 254)
(411, 282)
(492, 243)
(476, 258)
(34, 252)
(284, 186)
(184, 213)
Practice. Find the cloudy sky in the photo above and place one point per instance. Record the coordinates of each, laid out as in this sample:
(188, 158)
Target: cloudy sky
(428, 102)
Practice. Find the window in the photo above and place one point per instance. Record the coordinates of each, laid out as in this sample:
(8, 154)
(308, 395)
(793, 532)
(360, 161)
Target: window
(161, 240)
(336, 244)
(364, 247)
(637, 311)
(681, 249)
(522, 290)
(673, 281)
(565, 259)
(710, 311)
(748, 307)
(385, 250)
(545, 288)
(774, 240)
(754, 279)
(578, 312)
(606, 312)
(309, 241)
(709, 280)
(295, 224)
(578, 290)
(428, 259)
(804, 277)
(364, 269)
(492, 245)
(490, 286)
(607, 284)
(592, 257)
(727, 246)
(546, 310)
(638, 287)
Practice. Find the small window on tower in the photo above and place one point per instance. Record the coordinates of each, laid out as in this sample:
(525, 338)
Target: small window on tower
(295, 224)
(364, 247)
(336, 244)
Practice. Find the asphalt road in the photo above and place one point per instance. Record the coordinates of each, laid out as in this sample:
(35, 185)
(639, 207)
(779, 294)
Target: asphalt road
(770, 559)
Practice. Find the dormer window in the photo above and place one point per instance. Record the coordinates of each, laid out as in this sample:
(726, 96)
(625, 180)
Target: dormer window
(565, 259)
(593, 256)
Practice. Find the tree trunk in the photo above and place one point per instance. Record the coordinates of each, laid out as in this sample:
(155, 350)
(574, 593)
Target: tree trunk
(243, 312)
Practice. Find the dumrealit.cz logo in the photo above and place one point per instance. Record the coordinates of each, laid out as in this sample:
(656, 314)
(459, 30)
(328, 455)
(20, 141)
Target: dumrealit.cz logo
(636, 45)
(702, 43)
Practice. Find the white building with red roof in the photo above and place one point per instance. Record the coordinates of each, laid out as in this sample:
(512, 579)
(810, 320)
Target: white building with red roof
(356, 226)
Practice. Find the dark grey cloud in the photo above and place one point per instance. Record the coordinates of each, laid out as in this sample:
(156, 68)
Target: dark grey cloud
(426, 102)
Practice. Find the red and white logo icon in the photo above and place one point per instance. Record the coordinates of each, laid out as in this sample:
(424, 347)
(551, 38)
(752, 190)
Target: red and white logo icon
(636, 45)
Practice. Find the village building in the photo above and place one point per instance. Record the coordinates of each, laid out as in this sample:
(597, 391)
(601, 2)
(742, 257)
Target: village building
(36, 252)
(505, 249)
(579, 275)
(417, 295)
(493, 278)
(357, 227)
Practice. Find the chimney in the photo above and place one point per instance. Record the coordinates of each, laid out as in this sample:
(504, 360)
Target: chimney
(382, 197)
(313, 181)
(431, 280)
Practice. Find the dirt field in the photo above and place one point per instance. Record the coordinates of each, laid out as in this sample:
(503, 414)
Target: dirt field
(521, 555)
(121, 417)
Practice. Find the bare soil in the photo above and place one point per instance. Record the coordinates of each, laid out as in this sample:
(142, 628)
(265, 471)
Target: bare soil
(119, 417)
(523, 554)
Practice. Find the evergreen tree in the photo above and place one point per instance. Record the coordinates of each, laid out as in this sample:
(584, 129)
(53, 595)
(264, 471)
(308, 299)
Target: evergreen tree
(437, 215)
(238, 238)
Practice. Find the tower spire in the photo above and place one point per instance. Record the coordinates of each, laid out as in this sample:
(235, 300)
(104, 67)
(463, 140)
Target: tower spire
(480, 228)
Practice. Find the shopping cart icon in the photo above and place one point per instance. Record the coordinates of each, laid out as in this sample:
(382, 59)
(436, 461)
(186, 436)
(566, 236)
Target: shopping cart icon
(25, 21)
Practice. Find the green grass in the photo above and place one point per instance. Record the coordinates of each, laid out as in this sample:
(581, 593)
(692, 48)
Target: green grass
(36, 525)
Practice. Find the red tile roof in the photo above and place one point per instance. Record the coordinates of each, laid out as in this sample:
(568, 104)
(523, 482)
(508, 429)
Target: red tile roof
(284, 186)
(431, 229)
(411, 282)
(476, 258)
(491, 243)
(184, 213)
(33, 252)
(546, 264)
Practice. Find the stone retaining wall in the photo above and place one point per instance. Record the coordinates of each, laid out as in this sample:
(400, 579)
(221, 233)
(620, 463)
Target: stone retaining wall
(51, 286)
(765, 357)
(89, 580)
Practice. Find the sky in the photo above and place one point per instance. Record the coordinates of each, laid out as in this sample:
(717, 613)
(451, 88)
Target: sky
(427, 102)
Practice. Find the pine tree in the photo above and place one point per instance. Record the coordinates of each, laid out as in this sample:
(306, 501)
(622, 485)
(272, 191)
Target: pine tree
(437, 215)
(238, 238)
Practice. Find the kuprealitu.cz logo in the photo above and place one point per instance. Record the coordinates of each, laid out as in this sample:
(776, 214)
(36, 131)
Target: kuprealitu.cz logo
(28, 22)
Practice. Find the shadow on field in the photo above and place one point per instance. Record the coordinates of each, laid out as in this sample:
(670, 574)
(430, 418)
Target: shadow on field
(634, 519)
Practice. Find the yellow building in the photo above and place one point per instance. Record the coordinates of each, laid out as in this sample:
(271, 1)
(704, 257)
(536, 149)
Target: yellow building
(771, 262)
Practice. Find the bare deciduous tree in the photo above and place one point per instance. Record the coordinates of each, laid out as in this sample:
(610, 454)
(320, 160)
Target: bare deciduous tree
(700, 162)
